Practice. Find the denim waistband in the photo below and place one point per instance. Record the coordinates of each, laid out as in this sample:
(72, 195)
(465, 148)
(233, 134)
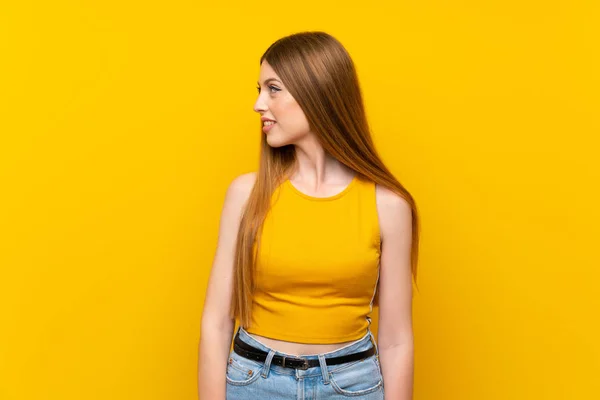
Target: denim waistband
(364, 343)
(361, 344)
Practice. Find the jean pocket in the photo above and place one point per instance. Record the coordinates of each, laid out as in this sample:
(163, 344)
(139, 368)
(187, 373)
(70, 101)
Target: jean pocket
(241, 371)
(357, 378)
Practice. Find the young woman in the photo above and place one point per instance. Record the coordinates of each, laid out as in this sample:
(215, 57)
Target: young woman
(308, 244)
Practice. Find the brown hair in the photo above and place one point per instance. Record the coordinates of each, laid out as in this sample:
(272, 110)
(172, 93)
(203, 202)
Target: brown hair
(320, 75)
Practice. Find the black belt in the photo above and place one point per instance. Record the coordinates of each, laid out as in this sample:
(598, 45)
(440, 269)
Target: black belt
(247, 351)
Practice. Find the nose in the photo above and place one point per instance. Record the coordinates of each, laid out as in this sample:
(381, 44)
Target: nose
(259, 105)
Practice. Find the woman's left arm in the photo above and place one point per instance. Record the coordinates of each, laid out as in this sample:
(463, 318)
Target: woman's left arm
(395, 336)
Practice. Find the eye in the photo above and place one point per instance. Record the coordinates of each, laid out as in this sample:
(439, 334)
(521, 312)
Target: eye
(270, 87)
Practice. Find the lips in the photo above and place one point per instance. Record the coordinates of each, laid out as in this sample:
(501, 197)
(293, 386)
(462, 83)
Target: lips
(267, 128)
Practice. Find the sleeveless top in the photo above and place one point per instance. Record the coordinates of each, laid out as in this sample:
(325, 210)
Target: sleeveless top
(317, 265)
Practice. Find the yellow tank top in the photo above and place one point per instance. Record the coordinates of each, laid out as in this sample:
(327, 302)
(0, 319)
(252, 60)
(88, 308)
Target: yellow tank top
(317, 265)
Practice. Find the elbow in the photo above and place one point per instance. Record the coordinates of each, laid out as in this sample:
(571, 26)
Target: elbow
(404, 340)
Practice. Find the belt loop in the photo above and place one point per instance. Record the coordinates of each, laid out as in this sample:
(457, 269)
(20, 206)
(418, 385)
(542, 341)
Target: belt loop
(324, 370)
(267, 366)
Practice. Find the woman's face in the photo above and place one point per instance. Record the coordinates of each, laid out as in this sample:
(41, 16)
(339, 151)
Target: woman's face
(276, 103)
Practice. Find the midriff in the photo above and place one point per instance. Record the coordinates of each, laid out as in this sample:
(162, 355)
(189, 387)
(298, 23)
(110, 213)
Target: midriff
(298, 349)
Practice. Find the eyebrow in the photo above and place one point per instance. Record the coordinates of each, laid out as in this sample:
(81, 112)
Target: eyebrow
(268, 80)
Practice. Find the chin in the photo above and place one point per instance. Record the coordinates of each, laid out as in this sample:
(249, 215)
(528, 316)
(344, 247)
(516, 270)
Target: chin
(275, 143)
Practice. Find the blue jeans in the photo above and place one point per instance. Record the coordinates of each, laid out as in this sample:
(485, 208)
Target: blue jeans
(253, 380)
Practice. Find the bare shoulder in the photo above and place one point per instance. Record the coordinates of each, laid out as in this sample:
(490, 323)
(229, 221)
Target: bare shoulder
(239, 189)
(238, 193)
(395, 213)
(242, 184)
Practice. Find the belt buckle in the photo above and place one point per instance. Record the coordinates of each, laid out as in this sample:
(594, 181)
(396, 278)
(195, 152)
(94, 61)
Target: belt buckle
(304, 365)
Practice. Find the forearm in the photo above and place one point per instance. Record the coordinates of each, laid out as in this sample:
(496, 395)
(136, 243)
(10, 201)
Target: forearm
(214, 349)
(397, 368)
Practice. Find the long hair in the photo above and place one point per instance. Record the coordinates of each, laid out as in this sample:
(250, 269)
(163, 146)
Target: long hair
(320, 75)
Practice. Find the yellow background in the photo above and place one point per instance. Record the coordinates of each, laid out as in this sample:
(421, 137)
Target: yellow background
(122, 123)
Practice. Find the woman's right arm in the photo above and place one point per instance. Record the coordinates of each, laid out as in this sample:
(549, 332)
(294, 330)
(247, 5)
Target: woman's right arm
(217, 327)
